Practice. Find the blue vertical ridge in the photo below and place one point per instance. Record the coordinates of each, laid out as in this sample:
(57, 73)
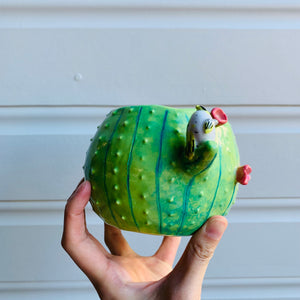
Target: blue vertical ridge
(187, 117)
(218, 184)
(158, 172)
(104, 168)
(187, 192)
(231, 200)
(128, 167)
(235, 183)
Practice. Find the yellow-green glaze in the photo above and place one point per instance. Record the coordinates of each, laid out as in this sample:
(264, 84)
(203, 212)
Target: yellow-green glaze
(142, 179)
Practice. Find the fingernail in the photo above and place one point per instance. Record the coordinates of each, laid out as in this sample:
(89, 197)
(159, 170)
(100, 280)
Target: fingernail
(215, 228)
(79, 187)
(80, 183)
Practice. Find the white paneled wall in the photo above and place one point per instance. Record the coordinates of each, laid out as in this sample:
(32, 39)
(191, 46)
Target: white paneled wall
(65, 64)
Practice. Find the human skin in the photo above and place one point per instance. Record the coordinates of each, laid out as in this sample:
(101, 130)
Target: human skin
(122, 274)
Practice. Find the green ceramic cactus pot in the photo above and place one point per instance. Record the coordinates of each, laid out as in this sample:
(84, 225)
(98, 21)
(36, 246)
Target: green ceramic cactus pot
(161, 170)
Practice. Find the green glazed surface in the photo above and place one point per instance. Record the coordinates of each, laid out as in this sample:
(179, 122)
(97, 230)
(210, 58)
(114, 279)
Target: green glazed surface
(142, 181)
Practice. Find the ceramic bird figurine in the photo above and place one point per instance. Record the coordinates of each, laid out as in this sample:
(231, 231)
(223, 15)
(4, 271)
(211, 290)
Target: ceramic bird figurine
(162, 170)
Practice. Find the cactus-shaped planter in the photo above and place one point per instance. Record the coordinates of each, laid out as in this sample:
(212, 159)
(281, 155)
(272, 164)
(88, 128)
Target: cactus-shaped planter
(162, 170)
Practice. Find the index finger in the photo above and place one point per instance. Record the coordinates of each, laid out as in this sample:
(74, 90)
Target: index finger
(86, 251)
(74, 219)
(168, 249)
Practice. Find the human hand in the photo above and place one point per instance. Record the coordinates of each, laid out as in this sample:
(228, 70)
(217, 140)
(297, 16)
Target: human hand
(122, 273)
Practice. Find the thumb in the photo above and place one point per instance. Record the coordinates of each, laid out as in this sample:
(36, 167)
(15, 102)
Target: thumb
(190, 270)
(204, 242)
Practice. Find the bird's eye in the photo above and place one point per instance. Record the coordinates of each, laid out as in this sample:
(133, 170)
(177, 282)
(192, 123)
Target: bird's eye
(208, 126)
(203, 107)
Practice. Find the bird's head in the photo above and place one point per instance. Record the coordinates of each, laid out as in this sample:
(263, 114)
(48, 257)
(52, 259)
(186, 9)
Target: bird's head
(202, 128)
